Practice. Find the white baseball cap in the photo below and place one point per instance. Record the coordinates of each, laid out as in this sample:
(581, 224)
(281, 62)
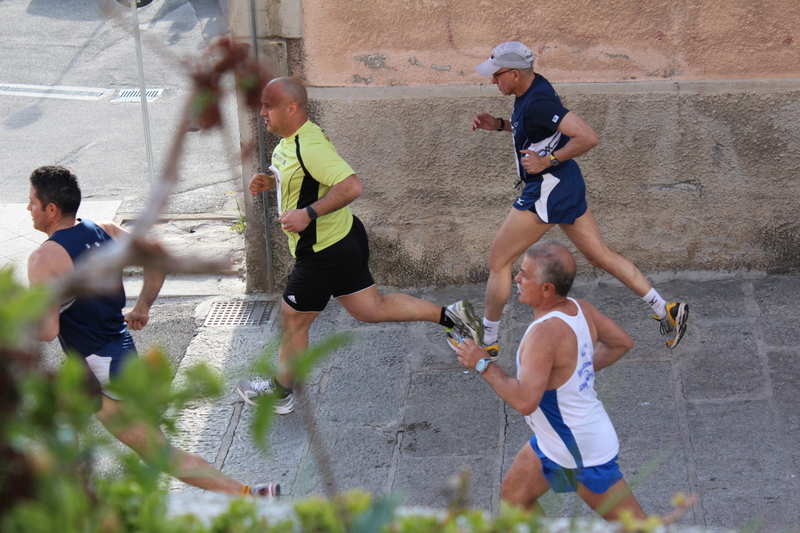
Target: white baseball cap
(512, 54)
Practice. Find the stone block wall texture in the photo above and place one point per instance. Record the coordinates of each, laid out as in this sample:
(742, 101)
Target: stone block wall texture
(696, 104)
(682, 180)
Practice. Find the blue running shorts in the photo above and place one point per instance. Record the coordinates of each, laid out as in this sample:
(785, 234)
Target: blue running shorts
(106, 363)
(597, 479)
(559, 198)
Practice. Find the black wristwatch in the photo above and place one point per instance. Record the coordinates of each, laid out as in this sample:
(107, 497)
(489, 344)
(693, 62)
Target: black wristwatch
(553, 161)
(311, 213)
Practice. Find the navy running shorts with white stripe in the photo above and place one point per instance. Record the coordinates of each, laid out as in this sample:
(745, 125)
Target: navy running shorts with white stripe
(559, 198)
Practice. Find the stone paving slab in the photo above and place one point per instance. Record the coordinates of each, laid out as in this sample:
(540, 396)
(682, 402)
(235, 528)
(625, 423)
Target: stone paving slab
(397, 413)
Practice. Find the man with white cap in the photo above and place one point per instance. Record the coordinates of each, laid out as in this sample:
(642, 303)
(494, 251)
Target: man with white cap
(547, 139)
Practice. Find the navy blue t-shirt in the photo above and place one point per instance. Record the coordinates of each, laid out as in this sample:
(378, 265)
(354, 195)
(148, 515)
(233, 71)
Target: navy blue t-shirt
(534, 123)
(88, 324)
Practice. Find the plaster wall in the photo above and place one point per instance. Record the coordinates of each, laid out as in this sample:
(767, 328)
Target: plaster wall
(439, 42)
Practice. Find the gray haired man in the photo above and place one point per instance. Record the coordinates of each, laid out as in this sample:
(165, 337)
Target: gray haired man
(547, 139)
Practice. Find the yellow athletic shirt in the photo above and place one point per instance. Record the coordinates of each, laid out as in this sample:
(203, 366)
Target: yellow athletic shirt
(306, 166)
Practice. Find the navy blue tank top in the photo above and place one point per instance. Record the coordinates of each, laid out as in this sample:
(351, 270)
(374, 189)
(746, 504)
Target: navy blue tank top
(88, 324)
(534, 123)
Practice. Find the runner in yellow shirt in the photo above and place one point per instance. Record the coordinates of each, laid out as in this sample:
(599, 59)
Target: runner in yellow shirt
(306, 166)
(315, 188)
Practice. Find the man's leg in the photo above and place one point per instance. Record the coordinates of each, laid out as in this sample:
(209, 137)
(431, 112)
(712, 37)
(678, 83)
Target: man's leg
(612, 502)
(585, 235)
(188, 467)
(294, 340)
(369, 305)
(519, 231)
(525, 483)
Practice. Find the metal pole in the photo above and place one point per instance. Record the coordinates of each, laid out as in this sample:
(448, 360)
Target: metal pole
(263, 161)
(143, 96)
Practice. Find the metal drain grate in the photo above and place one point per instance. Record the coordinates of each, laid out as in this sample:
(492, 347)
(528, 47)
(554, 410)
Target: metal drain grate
(135, 95)
(249, 313)
(53, 91)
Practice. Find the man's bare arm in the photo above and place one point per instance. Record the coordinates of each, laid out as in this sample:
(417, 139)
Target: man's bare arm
(261, 183)
(46, 264)
(537, 354)
(340, 195)
(613, 341)
(153, 280)
(582, 138)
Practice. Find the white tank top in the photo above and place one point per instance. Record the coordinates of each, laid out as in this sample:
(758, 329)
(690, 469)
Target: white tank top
(571, 426)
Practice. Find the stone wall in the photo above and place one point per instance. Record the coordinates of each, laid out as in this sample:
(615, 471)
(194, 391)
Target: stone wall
(693, 176)
(696, 105)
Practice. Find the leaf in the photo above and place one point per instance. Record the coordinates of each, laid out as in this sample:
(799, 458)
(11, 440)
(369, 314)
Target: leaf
(379, 514)
(21, 307)
(304, 363)
(262, 421)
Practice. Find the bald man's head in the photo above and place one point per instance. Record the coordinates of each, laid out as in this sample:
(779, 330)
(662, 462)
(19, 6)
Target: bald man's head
(284, 102)
(554, 264)
(287, 90)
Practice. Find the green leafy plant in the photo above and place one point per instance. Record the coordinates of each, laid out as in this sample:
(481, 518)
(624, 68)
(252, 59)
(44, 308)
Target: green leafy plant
(20, 309)
(44, 433)
(49, 479)
(241, 224)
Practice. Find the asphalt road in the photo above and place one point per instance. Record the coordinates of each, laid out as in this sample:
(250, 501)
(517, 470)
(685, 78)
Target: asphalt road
(73, 43)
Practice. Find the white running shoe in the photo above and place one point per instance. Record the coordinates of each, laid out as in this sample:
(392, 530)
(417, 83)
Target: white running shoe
(266, 490)
(465, 324)
(454, 339)
(251, 389)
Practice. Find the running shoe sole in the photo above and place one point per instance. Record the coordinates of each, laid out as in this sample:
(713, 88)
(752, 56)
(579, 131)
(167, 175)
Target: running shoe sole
(268, 490)
(243, 396)
(681, 318)
(284, 408)
(467, 325)
(452, 339)
(453, 342)
(493, 351)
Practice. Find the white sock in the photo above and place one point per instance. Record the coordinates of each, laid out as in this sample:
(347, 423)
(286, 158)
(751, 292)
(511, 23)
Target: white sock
(490, 331)
(658, 303)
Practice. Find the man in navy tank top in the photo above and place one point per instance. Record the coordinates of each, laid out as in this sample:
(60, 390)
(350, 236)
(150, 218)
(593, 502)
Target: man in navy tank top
(574, 447)
(95, 329)
(547, 139)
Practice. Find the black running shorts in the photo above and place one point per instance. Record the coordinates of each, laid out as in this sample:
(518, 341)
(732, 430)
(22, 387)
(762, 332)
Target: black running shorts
(338, 270)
